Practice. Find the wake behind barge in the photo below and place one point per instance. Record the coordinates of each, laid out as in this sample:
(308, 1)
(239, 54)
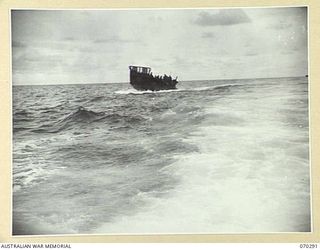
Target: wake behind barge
(141, 78)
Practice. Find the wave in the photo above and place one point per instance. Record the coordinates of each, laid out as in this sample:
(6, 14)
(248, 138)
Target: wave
(138, 92)
(51, 108)
(97, 98)
(222, 86)
(204, 88)
(80, 116)
(115, 118)
(84, 116)
(18, 129)
(21, 113)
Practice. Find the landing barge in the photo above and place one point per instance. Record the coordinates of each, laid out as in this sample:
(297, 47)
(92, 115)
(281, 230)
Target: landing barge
(141, 78)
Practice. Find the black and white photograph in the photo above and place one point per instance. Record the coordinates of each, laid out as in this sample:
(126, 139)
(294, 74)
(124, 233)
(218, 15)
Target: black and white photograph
(160, 121)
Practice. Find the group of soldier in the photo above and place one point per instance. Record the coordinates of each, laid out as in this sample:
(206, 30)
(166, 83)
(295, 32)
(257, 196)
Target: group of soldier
(164, 77)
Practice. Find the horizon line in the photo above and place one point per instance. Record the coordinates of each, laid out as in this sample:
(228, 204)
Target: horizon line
(100, 83)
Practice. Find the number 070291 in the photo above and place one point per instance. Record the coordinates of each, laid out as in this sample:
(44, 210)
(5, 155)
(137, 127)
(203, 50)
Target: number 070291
(309, 246)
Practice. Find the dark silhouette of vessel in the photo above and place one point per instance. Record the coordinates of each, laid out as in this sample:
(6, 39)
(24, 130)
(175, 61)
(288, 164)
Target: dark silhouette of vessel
(141, 78)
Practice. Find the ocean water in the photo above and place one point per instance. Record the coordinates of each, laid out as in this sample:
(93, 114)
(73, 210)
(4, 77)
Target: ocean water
(226, 156)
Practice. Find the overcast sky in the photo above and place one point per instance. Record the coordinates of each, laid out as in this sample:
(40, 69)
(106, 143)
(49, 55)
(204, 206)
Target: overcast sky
(97, 46)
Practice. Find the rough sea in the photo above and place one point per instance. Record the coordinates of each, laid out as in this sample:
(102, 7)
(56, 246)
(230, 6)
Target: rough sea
(229, 156)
